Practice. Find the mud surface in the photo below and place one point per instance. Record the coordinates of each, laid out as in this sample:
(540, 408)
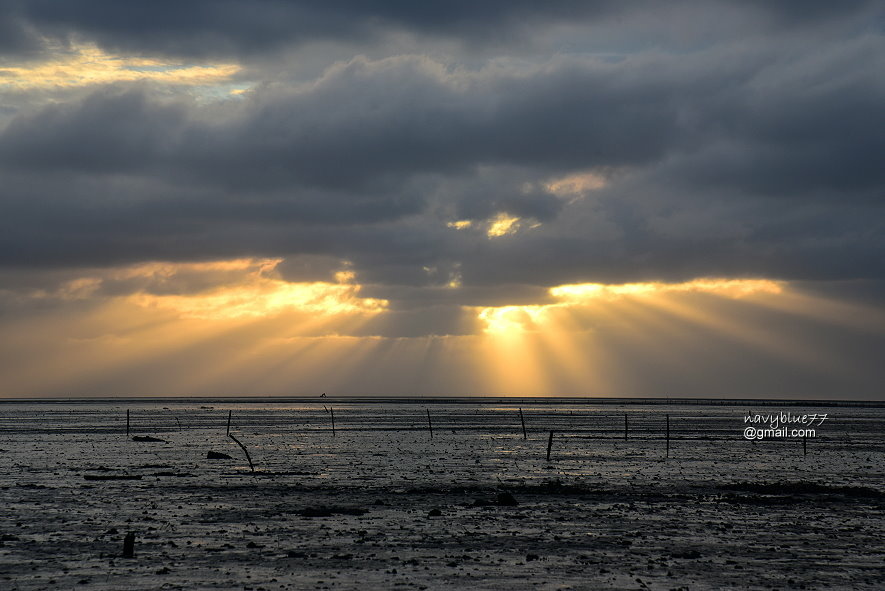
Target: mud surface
(382, 505)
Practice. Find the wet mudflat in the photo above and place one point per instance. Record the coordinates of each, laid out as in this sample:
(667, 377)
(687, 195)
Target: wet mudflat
(382, 505)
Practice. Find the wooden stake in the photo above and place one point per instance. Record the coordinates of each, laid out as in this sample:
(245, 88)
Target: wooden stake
(332, 412)
(522, 420)
(429, 424)
(129, 545)
(549, 445)
(625, 426)
(127, 422)
(668, 436)
(228, 420)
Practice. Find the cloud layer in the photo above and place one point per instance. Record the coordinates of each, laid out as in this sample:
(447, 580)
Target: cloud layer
(452, 156)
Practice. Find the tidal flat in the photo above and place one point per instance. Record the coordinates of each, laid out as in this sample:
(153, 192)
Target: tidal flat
(437, 495)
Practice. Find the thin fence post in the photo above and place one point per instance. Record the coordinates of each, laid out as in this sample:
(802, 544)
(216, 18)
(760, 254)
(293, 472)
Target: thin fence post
(549, 445)
(429, 424)
(332, 412)
(522, 420)
(229, 413)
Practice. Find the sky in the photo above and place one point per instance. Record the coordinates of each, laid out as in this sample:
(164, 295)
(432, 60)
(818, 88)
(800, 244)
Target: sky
(560, 198)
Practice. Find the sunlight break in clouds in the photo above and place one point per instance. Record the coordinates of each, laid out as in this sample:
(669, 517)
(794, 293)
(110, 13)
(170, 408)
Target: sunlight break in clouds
(83, 65)
(260, 294)
(516, 319)
(734, 288)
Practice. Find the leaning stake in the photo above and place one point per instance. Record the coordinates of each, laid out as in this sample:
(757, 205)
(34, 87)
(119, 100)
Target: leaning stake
(332, 412)
(228, 421)
(429, 424)
(522, 420)
(549, 445)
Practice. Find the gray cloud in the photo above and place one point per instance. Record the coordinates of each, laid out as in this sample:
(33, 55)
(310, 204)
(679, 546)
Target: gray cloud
(750, 157)
(243, 27)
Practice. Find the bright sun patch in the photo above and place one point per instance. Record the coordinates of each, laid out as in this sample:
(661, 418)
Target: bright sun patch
(734, 288)
(502, 225)
(503, 320)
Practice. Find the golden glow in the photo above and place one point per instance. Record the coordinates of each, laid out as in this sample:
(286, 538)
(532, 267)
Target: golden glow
(460, 224)
(511, 319)
(265, 297)
(236, 327)
(502, 225)
(734, 288)
(257, 293)
(518, 319)
(83, 65)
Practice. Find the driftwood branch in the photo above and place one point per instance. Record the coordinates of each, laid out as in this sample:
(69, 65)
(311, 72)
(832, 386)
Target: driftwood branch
(238, 442)
(245, 451)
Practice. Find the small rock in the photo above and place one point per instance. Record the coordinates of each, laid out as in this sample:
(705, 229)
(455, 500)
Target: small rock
(434, 513)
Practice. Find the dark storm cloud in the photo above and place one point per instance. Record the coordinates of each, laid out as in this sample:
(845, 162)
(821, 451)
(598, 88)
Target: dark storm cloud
(212, 27)
(757, 158)
(362, 121)
(249, 27)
